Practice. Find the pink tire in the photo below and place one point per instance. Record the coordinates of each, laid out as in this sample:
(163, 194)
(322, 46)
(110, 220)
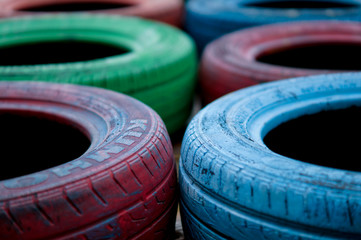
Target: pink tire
(121, 186)
(243, 58)
(168, 11)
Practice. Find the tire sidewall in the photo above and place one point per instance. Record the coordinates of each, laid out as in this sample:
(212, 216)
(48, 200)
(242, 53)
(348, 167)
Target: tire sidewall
(120, 115)
(225, 139)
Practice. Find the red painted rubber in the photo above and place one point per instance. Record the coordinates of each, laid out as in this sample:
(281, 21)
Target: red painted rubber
(168, 11)
(230, 62)
(122, 187)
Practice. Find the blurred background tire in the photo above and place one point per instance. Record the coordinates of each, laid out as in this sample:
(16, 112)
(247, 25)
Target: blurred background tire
(167, 11)
(151, 61)
(207, 20)
(278, 51)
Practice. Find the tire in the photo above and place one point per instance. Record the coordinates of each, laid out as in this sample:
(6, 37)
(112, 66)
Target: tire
(234, 187)
(167, 11)
(277, 51)
(146, 70)
(122, 187)
(207, 20)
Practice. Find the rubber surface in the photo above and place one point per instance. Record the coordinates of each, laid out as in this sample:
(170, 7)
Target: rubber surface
(234, 187)
(167, 11)
(206, 20)
(232, 61)
(147, 71)
(122, 187)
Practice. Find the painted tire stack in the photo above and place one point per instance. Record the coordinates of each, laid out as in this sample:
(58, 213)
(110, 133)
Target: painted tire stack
(278, 51)
(167, 11)
(233, 186)
(124, 54)
(239, 179)
(207, 20)
(83, 163)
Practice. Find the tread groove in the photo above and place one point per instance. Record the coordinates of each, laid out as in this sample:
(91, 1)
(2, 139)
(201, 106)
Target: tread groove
(146, 166)
(161, 142)
(326, 209)
(286, 203)
(134, 174)
(194, 158)
(13, 219)
(233, 224)
(110, 227)
(121, 212)
(42, 211)
(166, 137)
(159, 231)
(300, 228)
(137, 219)
(97, 195)
(349, 212)
(188, 148)
(117, 183)
(153, 158)
(269, 197)
(159, 201)
(160, 153)
(72, 204)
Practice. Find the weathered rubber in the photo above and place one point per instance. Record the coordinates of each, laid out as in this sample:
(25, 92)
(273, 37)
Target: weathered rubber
(122, 187)
(235, 187)
(148, 67)
(206, 20)
(230, 62)
(177, 93)
(167, 11)
(194, 229)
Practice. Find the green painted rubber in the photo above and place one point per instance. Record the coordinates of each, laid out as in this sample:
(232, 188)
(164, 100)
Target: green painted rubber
(159, 69)
(177, 93)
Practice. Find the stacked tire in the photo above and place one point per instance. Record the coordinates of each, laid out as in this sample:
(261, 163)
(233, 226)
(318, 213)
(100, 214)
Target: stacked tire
(167, 11)
(207, 20)
(235, 185)
(152, 62)
(278, 51)
(83, 163)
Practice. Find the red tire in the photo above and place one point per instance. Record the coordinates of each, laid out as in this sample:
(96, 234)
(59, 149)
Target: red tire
(234, 61)
(168, 11)
(122, 187)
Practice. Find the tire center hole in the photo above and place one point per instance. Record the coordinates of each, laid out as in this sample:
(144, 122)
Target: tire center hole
(301, 4)
(328, 138)
(327, 56)
(74, 7)
(33, 142)
(56, 52)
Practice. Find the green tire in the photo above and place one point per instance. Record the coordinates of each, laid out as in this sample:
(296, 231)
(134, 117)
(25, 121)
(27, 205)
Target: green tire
(159, 68)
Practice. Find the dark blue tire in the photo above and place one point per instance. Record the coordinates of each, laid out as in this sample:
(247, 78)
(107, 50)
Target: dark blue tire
(234, 187)
(207, 20)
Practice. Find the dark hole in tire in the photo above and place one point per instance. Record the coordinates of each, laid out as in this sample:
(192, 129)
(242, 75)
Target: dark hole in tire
(74, 7)
(32, 142)
(326, 56)
(328, 138)
(301, 4)
(56, 52)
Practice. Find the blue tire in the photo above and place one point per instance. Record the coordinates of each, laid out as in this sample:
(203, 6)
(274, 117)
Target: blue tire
(234, 187)
(207, 20)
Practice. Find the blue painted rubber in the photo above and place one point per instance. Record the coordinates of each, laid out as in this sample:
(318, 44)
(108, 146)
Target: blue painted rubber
(207, 20)
(195, 229)
(233, 185)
